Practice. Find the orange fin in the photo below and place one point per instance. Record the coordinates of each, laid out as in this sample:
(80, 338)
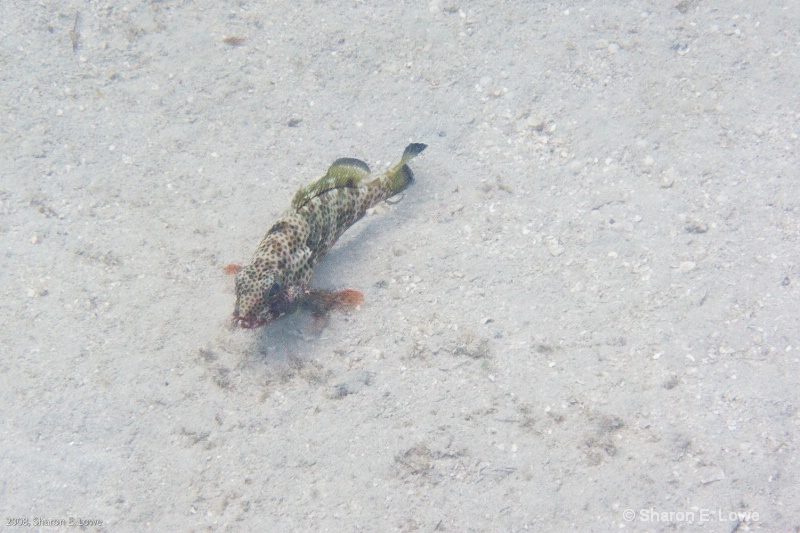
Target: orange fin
(321, 302)
(232, 269)
(348, 299)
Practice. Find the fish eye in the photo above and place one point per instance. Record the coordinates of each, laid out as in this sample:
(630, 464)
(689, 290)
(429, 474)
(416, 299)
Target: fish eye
(274, 291)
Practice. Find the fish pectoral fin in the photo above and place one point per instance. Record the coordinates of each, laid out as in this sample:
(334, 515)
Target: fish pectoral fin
(321, 302)
(344, 172)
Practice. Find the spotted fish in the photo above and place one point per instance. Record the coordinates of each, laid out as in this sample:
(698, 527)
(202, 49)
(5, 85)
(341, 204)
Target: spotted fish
(276, 282)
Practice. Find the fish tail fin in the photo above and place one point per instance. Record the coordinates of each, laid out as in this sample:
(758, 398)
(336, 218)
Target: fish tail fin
(400, 176)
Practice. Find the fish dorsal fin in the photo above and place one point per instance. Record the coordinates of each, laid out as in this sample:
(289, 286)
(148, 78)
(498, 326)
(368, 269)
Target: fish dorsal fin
(349, 166)
(344, 172)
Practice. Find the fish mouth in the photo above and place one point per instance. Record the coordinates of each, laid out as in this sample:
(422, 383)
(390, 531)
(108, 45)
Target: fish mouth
(248, 323)
(265, 316)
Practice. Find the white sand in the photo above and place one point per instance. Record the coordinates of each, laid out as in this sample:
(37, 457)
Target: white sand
(588, 303)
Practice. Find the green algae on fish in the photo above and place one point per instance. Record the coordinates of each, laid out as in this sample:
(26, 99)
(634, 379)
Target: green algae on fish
(276, 282)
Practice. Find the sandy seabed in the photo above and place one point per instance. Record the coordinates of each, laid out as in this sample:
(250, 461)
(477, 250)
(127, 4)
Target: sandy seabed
(584, 315)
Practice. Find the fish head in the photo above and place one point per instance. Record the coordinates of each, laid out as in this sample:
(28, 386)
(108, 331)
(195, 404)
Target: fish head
(259, 298)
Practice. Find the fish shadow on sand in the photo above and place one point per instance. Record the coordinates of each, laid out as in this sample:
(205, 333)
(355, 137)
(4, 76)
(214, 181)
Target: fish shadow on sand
(290, 337)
